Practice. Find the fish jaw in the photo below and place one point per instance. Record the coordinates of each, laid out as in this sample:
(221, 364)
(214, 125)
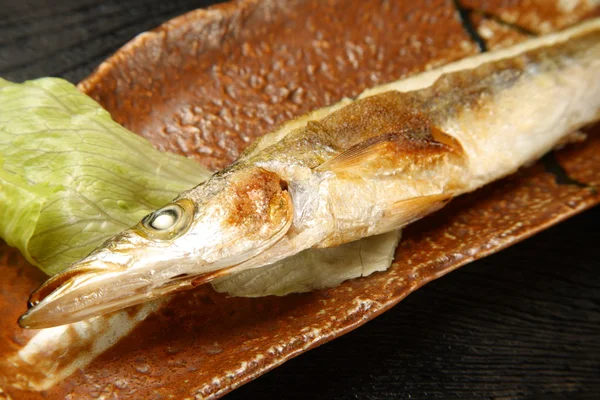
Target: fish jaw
(200, 236)
(105, 281)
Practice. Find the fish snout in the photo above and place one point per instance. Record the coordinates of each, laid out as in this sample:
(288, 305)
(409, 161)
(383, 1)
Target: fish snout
(60, 299)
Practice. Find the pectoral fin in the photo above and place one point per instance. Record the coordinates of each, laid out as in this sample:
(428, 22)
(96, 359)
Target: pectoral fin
(391, 152)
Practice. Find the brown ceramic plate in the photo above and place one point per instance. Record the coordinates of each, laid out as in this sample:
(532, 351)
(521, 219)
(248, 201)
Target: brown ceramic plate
(208, 83)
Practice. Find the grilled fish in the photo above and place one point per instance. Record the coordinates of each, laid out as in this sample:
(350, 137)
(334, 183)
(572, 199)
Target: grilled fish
(355, 169)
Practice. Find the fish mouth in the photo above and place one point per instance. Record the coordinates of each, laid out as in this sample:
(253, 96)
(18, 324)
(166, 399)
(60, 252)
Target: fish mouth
(58, 300)
(94, 289)
(67, 279)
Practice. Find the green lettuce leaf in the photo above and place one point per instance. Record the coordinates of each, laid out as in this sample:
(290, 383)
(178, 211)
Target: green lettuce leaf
(71, 177)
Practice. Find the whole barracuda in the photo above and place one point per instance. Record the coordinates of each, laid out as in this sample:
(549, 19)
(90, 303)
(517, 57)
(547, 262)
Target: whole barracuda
(355, 169)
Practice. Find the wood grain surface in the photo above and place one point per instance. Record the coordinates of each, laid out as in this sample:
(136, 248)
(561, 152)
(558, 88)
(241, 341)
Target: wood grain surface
(524, 323)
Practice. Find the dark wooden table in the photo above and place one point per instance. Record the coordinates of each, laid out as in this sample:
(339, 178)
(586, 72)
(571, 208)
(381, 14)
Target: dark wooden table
(524, 323)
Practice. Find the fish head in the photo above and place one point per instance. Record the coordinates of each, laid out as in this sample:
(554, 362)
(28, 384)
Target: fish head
(199, 236)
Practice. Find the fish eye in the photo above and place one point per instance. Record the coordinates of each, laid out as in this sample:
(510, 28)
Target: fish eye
(163, 219)
(168, 222)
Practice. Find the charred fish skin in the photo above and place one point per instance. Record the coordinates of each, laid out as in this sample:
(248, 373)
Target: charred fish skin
(351, 170)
